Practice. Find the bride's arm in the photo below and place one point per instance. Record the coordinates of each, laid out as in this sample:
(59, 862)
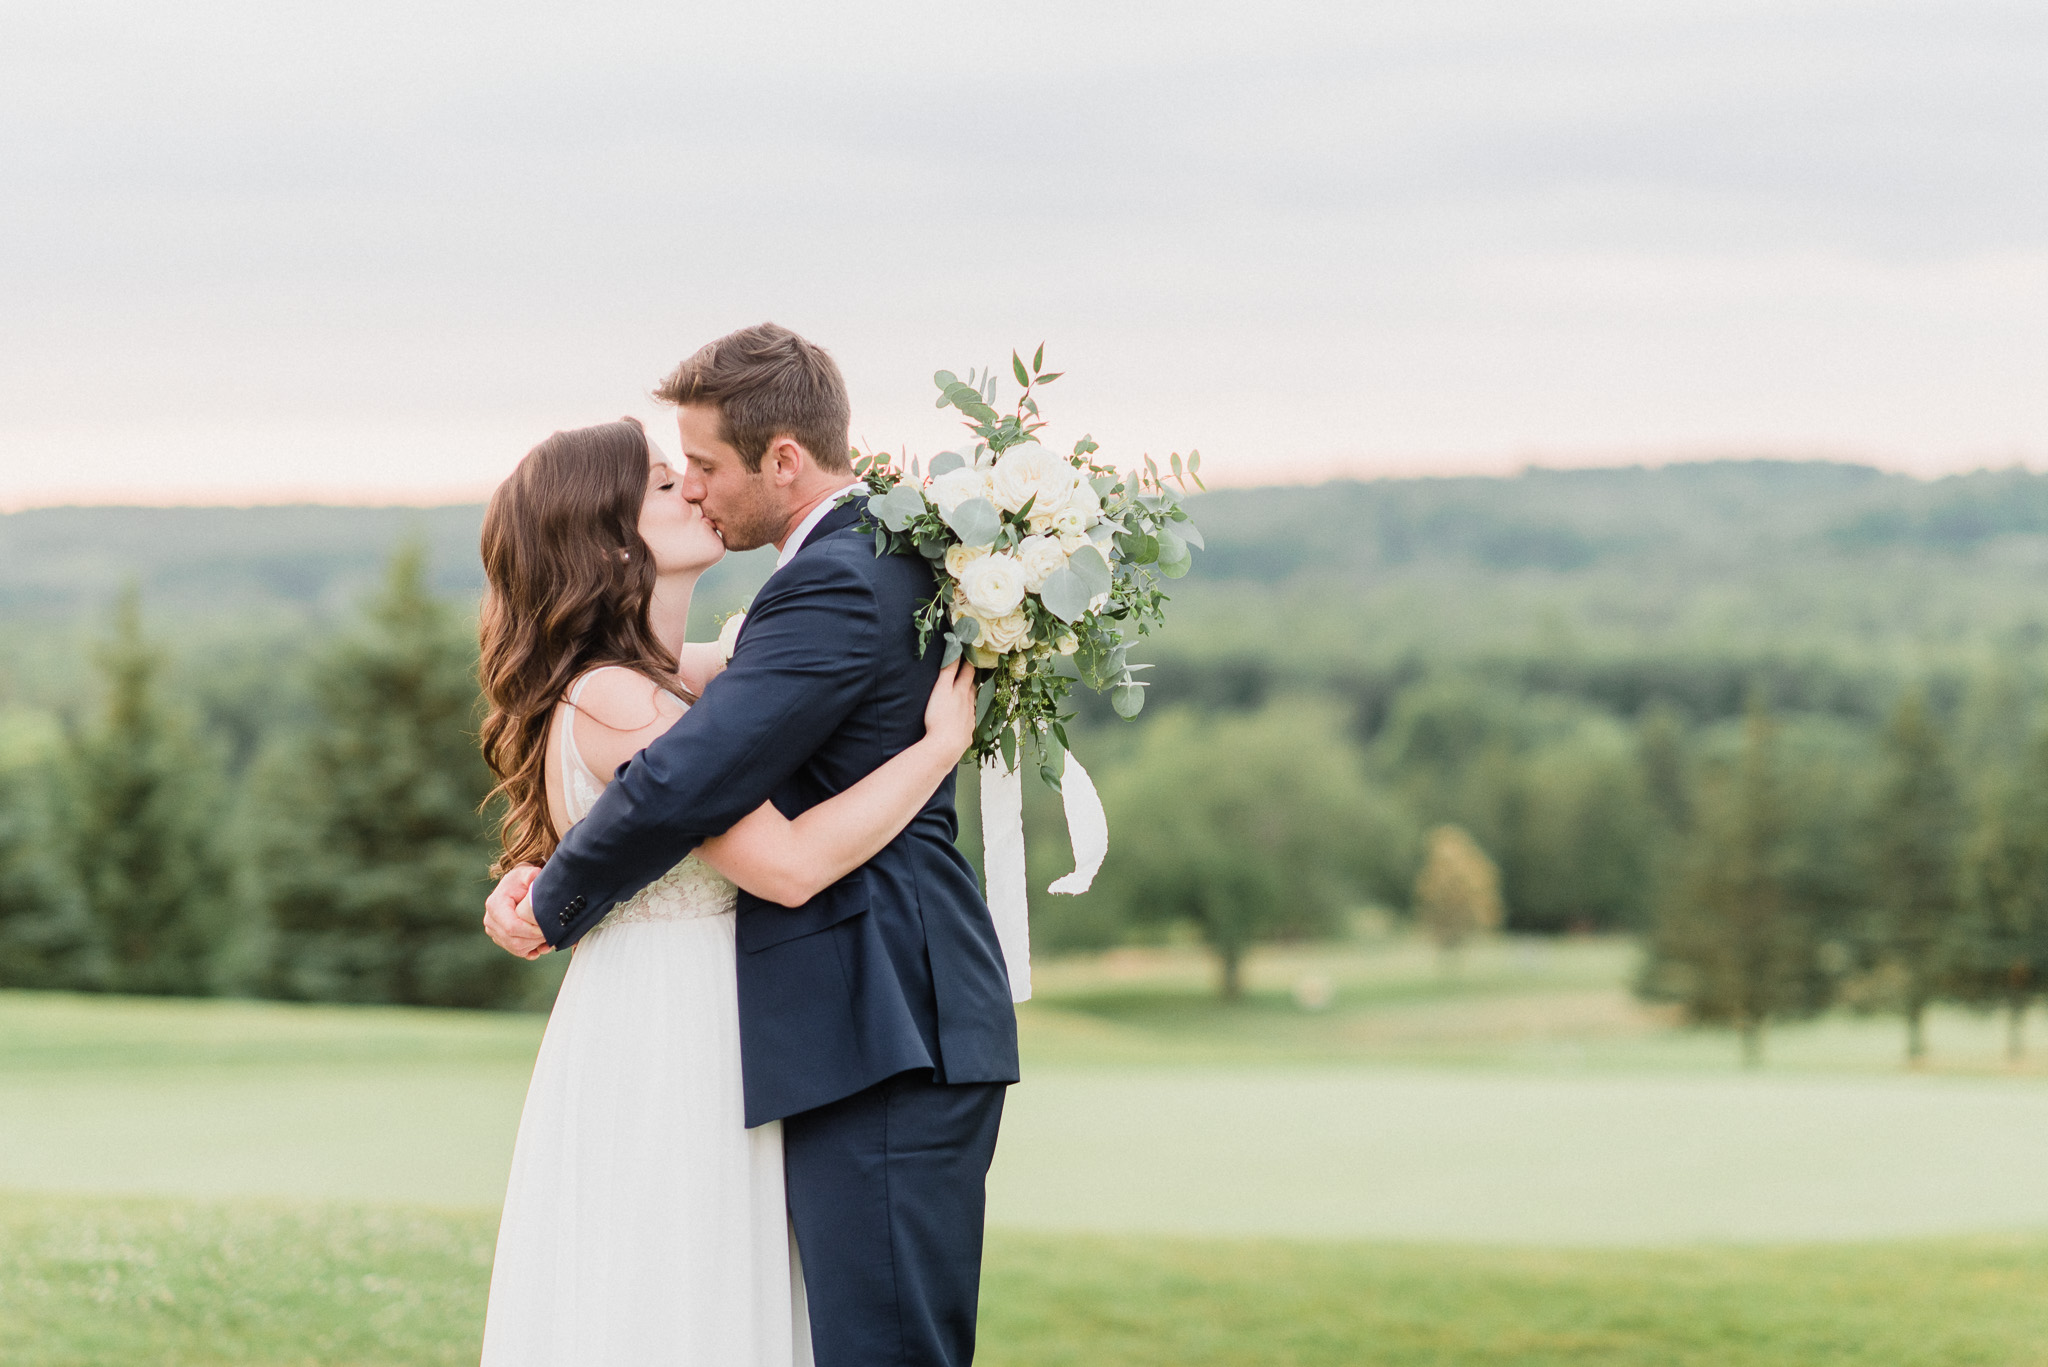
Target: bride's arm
(697, 664)
(790, 862)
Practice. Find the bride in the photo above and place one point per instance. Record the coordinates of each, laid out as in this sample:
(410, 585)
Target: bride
(644, 1224)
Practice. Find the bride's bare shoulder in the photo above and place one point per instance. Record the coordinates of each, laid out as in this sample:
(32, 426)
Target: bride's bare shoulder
(615, 698)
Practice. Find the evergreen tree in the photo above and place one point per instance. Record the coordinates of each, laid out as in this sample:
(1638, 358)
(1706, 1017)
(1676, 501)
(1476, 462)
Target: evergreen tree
(144, 816)
(45, 935)
(1918, 838)
(1999, 952)
(1734, 942)
(373, 855)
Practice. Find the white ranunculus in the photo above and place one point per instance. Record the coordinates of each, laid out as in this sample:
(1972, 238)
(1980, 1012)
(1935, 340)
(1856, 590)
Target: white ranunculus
(1042, 557)
(993, 585)
(1005, 633)
(1030, 472)
(981, 657)
(959, 557)
(1020, 665)
(1066, 645)
(1072, 541)
(955, 487)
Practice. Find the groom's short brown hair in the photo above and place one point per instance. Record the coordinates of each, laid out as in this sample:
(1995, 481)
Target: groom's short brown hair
(767, 382)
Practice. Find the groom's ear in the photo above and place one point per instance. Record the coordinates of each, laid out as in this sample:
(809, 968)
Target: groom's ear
(784, 460)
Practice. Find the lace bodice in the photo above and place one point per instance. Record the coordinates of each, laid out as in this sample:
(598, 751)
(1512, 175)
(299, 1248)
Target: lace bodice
(689, 890)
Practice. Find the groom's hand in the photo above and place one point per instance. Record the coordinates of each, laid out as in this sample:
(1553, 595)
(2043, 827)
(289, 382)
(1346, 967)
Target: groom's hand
(508, 914)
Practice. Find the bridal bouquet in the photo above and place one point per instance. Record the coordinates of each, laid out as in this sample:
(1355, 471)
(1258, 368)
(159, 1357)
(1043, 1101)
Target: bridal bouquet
(1045, 561)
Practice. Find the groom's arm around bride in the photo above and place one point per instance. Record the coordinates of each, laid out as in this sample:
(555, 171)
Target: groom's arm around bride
(875, 1019)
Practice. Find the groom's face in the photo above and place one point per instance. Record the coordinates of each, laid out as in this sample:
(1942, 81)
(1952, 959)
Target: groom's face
(746, 508)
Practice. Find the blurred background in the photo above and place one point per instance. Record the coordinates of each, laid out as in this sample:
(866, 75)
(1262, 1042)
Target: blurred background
(1578, 887)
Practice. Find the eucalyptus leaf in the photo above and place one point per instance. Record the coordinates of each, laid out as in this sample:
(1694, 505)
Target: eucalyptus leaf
(1088, 565)
(946, 462)
(975, 522)
(1191, 534)
(945, 379)
(1172, 550)
(968, 630)
(1065, 594)
(952, 655)
(899, 507)
(1177, 568)
(1017, 367)
(1128, 700)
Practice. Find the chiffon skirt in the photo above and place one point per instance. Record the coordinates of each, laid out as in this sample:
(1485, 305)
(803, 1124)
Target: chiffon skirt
(644, 1224)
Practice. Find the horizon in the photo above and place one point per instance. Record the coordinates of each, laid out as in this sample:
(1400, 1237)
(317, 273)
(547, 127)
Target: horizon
(300, 497)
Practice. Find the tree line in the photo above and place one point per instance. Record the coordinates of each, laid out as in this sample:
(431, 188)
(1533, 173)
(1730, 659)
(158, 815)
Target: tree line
(1839, 839)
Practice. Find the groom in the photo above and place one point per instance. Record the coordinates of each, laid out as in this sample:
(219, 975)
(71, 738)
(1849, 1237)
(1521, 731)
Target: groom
(875, 1020)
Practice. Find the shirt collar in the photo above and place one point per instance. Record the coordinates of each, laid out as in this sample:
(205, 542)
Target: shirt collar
(811, 521)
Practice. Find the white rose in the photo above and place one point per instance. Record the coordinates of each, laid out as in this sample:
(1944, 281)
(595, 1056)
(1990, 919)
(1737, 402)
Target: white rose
(993, 585)
(1004, 634)
(1042, 557)
(1072, 541)
(958, 558)
(1030, 472)
(981, 657)
(955, 487)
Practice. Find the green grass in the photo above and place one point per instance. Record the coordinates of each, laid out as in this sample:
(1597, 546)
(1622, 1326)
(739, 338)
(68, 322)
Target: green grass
(93, 1282)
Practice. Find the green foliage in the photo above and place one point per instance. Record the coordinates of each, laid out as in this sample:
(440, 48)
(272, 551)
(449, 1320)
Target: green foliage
(143, 830)
(1998, 946)
(1249, 828)
(372, 851)
(1919, 830)
(45, 935)
(1737, 939)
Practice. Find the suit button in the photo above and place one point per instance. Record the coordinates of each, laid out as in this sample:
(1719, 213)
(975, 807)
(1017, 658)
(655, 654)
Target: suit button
(576, 904)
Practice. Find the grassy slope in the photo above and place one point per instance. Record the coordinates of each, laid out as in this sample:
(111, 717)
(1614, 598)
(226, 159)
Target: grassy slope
(93, 1283)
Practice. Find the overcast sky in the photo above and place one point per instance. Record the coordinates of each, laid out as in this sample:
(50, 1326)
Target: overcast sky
(380, 249)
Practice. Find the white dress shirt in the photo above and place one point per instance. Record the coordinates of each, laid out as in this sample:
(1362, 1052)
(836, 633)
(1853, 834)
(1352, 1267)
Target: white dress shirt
(811, 521)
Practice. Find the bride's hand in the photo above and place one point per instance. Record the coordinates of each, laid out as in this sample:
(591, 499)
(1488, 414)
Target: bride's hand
(949, 716)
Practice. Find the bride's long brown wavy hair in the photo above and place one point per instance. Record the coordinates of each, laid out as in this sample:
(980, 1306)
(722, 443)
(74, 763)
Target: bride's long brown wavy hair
(569, 583)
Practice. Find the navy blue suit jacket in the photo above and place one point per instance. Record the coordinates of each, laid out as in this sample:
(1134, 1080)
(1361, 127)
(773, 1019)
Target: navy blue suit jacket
(895, 967)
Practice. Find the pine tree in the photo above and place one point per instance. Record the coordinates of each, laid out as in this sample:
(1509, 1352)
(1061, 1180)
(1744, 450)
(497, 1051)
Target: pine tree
(1734, 942)
(1999, 952)
(1918, 839)
(143, 829)
(373, 854)
(45, 935)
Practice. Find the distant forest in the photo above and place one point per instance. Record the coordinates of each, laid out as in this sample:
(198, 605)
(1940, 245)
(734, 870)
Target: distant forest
(1591, 676)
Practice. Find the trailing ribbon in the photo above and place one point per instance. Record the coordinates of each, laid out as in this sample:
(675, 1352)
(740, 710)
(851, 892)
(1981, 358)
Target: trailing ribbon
(1002, 855)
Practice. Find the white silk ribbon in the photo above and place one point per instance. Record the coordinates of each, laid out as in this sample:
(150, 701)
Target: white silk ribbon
(1002, 856)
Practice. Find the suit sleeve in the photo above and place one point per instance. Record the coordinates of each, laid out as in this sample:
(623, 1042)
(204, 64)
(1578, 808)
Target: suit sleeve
(804, 661)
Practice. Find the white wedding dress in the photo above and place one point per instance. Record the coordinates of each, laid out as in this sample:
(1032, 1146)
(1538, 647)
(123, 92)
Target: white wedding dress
(644, 1225)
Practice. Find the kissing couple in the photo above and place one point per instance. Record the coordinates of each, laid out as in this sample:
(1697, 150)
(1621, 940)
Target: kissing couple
(760, 1124)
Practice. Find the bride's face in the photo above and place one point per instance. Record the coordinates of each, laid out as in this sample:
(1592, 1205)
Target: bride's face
(673, 527)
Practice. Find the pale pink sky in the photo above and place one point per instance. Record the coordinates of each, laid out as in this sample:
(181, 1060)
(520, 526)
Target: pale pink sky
(253, 252)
